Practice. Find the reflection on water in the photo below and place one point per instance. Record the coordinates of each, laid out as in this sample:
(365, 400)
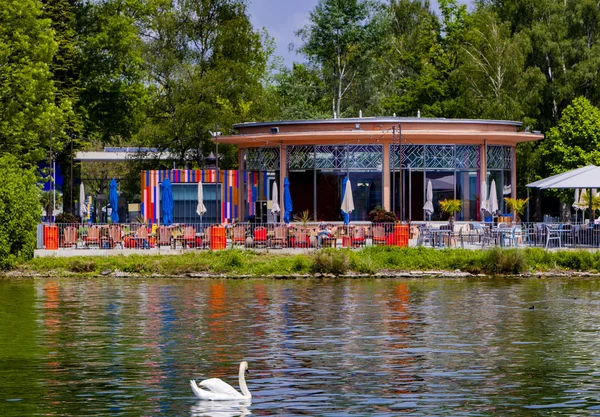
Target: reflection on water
(220, 409)
(111, 347)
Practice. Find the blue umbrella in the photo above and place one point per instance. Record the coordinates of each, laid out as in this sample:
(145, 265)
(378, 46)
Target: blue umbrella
(347, 200)
(287, 201)
(113, 199)
(167, 202)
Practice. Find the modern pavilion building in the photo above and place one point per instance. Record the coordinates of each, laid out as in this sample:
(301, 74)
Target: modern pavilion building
(389, 161)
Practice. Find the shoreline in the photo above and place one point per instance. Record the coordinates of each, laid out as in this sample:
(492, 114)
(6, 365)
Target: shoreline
(371, 262)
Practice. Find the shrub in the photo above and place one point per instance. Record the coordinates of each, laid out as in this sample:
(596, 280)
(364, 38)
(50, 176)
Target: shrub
(20, 210)
(379, 215)
(331, 261)
(82, 265)
(500, 261)
(66, 218)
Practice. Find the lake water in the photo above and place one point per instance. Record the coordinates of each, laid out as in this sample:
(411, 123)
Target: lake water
(432, 347)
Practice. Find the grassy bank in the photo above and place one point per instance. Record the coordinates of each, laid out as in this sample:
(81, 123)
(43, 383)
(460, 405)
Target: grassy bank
(368, 261)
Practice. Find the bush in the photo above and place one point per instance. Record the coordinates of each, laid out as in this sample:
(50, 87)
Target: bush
(501, 261)
(379, 215)
(20, 211)
(66, 218)
(331, 261)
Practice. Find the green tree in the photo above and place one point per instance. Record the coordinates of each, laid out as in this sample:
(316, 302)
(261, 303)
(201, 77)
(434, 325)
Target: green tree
(496, 82)
(301, 93)
(110, 69)
(207, 66)
(575, 140)
(27, 93)
(20, 211)
(342, 39)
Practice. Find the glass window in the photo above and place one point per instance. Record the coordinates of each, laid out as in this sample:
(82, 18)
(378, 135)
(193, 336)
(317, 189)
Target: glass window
(443, 188)
(185, 202)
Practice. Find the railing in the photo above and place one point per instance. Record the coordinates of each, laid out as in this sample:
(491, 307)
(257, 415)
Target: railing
(472, 235)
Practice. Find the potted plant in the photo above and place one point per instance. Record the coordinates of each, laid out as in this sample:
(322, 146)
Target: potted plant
(380, 215)
(450, 206)
(517, 205)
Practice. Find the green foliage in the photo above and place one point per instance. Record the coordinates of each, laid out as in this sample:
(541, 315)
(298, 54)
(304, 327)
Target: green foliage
(380, 215)
(343, 38)
(19, 212)
(66, 218)
(331, 261)
(498, 261)
(305, 217)
(450, 206)
(26, 88)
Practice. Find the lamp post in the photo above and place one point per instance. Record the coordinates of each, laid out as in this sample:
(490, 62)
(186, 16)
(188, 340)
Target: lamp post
(216, 135)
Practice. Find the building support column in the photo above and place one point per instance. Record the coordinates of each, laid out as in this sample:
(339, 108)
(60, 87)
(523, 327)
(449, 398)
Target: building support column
(482, 173)
(513, 172)
(282, 175)
(386, 177)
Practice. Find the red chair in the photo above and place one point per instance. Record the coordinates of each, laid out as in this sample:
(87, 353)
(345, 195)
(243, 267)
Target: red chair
(260, 236)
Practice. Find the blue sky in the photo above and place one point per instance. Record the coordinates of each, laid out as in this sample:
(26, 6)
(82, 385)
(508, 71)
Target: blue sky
(282, 18)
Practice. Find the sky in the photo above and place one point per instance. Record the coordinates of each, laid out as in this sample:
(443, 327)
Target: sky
(282, 18)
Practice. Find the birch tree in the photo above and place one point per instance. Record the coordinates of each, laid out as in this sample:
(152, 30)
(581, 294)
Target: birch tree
(342, 38)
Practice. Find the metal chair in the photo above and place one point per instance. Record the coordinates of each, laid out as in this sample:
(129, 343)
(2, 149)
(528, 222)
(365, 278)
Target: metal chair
(553, 233)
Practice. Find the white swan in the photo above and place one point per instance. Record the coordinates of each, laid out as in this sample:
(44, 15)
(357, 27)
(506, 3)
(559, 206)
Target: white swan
(222, 391)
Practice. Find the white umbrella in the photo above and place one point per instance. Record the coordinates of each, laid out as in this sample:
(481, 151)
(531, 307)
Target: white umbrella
(493, 200)
(348, 201)
(275, 199)
(428, 207)
(82, 206)
(200, 209)
(484, 199)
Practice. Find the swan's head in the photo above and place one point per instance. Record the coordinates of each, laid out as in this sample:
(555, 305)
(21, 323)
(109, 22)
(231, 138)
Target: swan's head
(244, 366)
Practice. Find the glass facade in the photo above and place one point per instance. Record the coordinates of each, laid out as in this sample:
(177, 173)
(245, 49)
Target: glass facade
(454, 172)
(185, 202)
(316, 173)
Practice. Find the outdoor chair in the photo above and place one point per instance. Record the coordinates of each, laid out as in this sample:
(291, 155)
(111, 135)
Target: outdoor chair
(358, 237)
(189, 237)
(93, 236)
(488, 238)
(424, 236)
(164, 236)
(260, 236)
(301, 238)
(115, 236)
(141, 238)
(379, 237)
(281, 237)
(69, 237)
(239, 235)
(553, 233)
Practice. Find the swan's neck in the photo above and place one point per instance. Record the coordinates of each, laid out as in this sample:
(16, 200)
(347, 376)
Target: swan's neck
(243, 386)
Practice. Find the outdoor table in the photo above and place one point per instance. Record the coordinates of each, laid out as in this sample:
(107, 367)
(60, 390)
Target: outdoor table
(437, 236)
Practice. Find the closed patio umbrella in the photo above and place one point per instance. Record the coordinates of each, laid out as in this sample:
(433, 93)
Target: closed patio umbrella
(200, 208)
(82, 206)
(114, 201)
(275, 199)
(483, 199)
(287, 201)
(428, 207)
(167, 202)
(347, 200)
(493, 200)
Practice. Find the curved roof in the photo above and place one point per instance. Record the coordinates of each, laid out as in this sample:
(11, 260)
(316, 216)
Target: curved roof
(366, 130)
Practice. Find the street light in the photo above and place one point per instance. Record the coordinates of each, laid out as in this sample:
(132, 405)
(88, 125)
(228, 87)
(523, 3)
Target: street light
(216, 135)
